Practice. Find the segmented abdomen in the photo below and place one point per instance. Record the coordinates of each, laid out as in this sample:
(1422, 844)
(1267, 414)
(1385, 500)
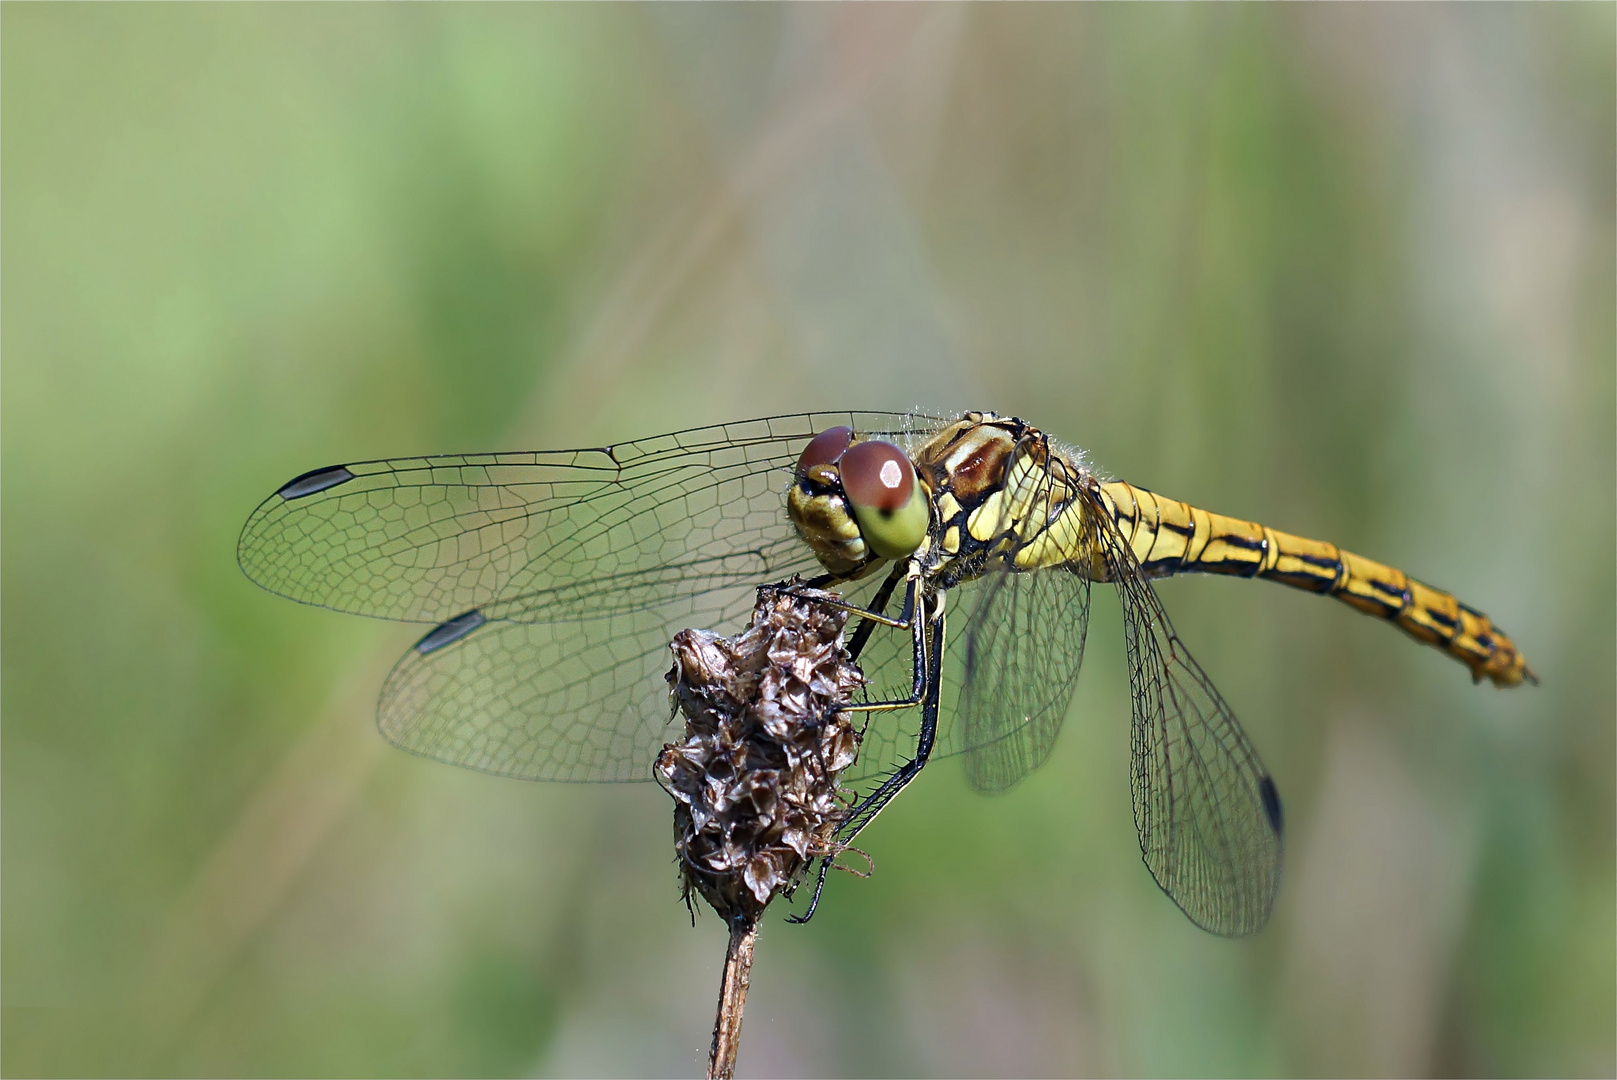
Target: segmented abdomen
(1171, 537)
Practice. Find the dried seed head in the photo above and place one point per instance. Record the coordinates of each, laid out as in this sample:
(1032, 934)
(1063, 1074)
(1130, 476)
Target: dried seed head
(755, 779)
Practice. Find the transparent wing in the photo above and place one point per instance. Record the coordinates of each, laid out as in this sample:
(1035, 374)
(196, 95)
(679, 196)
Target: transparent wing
(1019, 656)
(1019, 648)
(542, 536)
(1208, 814)
(580, 700)
(557, 579)
(1009, 668)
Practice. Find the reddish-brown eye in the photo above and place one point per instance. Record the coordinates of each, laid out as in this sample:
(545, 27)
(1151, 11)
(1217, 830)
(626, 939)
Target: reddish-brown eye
(877, 476)
(885, 498)
(824, 449)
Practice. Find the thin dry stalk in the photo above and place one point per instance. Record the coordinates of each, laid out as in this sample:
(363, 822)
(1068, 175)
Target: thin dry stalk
(721, 1062)
(755, 781)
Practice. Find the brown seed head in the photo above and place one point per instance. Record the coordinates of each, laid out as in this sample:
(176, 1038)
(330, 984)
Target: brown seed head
(755, 779)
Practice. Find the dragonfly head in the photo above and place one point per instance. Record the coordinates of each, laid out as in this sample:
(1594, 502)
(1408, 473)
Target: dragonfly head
(857, 501)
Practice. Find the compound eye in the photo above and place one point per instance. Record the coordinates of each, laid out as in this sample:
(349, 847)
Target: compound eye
(824, 449)
(886, 498)
(877, 475)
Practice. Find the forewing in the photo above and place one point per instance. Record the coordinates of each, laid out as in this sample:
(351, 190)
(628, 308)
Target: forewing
(1208, 814)
(557, 579)
(555, 535)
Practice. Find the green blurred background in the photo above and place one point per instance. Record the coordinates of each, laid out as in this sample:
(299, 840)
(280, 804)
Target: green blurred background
(1345, 270)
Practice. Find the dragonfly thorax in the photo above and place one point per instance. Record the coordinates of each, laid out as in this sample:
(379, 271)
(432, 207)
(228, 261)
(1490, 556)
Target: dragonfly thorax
(968, 459)
(965, 467)
(1004, 497)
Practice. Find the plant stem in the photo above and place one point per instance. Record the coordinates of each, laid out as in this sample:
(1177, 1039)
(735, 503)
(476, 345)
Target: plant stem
(732, 999)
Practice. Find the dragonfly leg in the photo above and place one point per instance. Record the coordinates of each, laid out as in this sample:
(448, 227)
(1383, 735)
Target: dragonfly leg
(872, 804)
(871, 614)
(917, 626)
(878, 603)
(929, 658)
(819, 887)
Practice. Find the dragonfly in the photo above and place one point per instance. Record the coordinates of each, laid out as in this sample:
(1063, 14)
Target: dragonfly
(965, 545)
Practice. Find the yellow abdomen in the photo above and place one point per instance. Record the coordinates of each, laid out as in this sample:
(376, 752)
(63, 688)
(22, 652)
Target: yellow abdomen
(1170, 537)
